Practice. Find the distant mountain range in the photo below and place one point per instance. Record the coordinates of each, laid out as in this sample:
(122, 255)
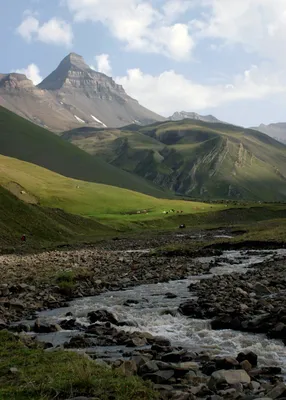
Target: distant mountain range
(73, 95)
(277, 131)
(179, 116)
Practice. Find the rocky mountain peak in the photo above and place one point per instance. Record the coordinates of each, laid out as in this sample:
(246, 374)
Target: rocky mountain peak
(15, 81)
(178, 116)
(74, 74)
(74, 60)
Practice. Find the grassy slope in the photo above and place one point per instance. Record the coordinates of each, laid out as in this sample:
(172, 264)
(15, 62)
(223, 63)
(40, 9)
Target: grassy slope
(85, 198)
(48, 227)
(43, 226)
(60, 375)
(198, 159)
(26, 141)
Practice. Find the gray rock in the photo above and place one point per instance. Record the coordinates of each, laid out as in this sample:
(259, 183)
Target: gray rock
(149, 367)
(277, 391)
(128, 368)
(159, 376)
(261, 289)
(230, 377)
(41, 326)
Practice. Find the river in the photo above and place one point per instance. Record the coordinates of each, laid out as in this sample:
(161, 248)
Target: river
(157, 314)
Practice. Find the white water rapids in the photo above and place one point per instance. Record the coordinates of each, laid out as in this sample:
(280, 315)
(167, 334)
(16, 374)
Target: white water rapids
(158, 315)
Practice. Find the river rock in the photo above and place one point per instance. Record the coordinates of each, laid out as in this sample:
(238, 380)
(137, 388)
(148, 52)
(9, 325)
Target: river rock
(226, 363)
(174, 357)
(102, 316)
(261, 289)
(250, 356)
(246, 365)
(277, 391)
(130, 302)
(170, 296)
(136, 342)
(141, 359)
(149, 367)
(128, 368)
(161, 341)
(3, 324)
(228, 376)
(159, 377)
(41, 326)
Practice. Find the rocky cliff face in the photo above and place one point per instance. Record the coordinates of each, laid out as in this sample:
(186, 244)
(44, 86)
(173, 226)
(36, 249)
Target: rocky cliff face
(73, 95)
(15, 81)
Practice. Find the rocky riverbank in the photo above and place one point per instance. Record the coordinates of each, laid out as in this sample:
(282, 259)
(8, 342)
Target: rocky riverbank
(47, 280)
(252, 302)
(175, 373)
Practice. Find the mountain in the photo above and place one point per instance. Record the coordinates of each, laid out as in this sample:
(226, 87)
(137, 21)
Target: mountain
(178, 116)
(26, 141)
(194, 158)
(71, 96)
(277, 131)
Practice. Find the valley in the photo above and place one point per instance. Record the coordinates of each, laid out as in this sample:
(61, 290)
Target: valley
(141, 257)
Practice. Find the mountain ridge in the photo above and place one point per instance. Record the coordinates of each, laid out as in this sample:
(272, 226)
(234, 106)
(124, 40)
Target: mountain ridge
(72, 95)
(193, 158)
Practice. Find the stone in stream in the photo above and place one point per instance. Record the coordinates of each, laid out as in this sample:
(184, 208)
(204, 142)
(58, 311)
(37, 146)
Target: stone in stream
(102, 316)
(250, 356)
(170, 296)
(226, 363)
(130, 302)
(136, 342)
(41, 326)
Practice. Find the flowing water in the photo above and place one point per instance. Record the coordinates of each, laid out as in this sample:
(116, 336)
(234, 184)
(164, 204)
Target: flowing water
(157, 314)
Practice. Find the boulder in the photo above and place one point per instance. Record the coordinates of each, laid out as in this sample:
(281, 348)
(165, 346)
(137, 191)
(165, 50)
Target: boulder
(128, 368)
(261, 289)
(130, 302)
(136, 342)
(159, 377)
(174, 357)
(246, 365)
(161, 341)
(171, 296)
(3, 324)
(250, 356)
(230, 377)
(102, 316)
(149, 367)
(226, 363)
(141, 359)
(41, 326)
(278, 391)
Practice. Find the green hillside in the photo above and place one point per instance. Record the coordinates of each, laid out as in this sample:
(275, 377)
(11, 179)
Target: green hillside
(195, 158)
(22, 139)
(43, 226)
(37, 185)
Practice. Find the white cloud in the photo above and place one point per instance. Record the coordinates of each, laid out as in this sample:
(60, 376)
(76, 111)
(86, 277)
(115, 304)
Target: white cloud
(258, 25)
(55, 31)
(170, 92)
(139, 25)
(103, 64)
(32, 72)
(28, 28)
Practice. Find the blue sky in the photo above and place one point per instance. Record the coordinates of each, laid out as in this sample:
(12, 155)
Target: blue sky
(224, 57)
